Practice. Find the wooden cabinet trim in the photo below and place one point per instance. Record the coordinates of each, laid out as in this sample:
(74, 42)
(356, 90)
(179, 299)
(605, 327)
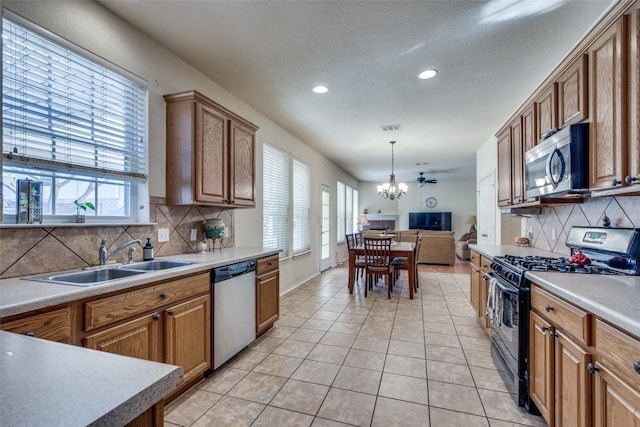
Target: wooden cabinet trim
(619, 351)
(562, 314)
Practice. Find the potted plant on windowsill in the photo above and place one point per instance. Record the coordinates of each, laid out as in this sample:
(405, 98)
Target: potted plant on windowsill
(81, 209)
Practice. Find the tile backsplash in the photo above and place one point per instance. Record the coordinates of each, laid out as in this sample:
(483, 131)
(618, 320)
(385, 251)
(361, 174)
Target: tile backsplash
(43, 249)
(622, 212)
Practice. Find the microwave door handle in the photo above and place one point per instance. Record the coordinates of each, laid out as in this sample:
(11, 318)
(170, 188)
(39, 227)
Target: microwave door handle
(550, 175)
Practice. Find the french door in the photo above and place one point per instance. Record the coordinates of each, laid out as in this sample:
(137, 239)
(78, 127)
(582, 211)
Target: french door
(325, 228)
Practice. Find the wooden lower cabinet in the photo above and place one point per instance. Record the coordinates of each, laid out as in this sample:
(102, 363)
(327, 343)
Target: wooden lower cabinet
(187, 335)
(616, 403)
(54, 325)
(541, 372)
(135, 338)
(573, 383)
(474, 291)
(479, 287)
(267, 301)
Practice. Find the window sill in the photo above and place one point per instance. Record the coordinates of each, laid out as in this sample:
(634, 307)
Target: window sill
(76, 224)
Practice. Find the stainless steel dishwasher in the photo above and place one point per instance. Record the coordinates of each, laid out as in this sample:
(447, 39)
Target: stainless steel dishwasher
(234, 309)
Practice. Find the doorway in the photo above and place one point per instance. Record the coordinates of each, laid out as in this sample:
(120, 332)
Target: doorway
(487, 210)
(325, 228)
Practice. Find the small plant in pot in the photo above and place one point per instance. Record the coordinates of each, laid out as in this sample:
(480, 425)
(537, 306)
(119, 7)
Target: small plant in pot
(81, 209)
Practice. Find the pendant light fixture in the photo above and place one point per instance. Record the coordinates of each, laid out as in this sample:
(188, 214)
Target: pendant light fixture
(392, 190)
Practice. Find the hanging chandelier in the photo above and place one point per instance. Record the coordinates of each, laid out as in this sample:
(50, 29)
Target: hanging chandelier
(392, 190)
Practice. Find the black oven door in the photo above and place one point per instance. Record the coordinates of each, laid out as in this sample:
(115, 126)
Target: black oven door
(505, 322)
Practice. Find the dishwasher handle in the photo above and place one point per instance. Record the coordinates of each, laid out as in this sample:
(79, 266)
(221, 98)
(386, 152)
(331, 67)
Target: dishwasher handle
(226, 272)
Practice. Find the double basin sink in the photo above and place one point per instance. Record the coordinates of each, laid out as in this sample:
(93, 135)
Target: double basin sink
(99, 275)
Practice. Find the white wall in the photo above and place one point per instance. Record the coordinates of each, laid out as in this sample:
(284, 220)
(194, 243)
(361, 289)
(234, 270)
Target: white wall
(92, 27)
(457, 197)
(486, 164)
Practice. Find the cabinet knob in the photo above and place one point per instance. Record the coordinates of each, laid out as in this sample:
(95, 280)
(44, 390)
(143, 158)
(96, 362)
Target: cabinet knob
(232, 201)
(548, 308)
(30, 334)
(170, 312)
(163, 295)
(156, 316)
(544, 328)
(592, 368)
(615, 182)
(636, 366)
(629, 179)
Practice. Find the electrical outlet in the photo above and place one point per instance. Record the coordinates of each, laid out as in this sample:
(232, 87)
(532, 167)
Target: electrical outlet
(194, 234)
(554, 234)
(163, 234)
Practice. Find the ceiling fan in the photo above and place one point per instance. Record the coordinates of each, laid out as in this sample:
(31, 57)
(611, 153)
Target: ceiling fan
(421, 180)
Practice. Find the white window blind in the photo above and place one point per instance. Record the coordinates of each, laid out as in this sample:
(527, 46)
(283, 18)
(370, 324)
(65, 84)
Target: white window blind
(301, 207)
(348, 215)
(340, 212)
(355, 211)
(275, 225)
(62, 111)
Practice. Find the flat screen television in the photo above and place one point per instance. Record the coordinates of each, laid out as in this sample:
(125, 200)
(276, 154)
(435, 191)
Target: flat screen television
(430, 221)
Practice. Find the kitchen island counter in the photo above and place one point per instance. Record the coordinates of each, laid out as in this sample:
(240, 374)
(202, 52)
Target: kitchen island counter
(46, 383)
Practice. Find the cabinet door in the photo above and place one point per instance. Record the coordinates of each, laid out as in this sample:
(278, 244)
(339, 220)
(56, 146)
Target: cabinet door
(541, 375)
(547, 110)
(573, 383)
(136, 338)
(474, 291)
(211, 183)
(242, 165)
(615, 402)
(482, 302)
(53, 326)
(529, 140)
(607, 91)
(267, 301)
(572, 93)
(504, 167)
(187, 340)
(633, 176)
(517, 162)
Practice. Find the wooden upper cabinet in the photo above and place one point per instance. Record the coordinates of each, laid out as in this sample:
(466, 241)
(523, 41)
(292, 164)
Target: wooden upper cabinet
(210, 153)
(633, 175)
(606, 107)
(547, 110)
(517, 162)
(504, 167)
(572, 93)
(529, 122)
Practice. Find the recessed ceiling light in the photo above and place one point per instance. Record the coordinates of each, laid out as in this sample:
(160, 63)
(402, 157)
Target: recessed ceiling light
(427, 74)
(320, 89)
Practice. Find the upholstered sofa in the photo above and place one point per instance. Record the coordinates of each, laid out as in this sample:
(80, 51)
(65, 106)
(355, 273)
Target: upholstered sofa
(462, 245)
(438, 247)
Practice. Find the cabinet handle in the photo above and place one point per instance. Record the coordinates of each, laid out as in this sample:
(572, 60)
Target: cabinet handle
(225, 201)
(544, 329)
(170, 312)
(548, 308)
(592, 368)
(30, 334)
(233, 201)
(615, 182)
(629, 179)
(163, 295)
(636, 366)
(156, 316)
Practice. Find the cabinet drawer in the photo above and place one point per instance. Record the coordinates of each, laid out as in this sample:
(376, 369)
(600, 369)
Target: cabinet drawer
(265, 265)
(562, 315)
(117, 307)
(475, 258)
(619, 351)
(485, 264)
(54, 325)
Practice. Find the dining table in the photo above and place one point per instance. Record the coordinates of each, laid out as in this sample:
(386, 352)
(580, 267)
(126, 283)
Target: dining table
(398, 249)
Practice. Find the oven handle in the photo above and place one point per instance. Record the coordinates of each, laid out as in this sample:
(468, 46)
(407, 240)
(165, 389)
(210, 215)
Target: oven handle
(505, 287)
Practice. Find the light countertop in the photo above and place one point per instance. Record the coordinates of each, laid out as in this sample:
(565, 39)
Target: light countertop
(615, 299)
(46, 383)
(18, 295)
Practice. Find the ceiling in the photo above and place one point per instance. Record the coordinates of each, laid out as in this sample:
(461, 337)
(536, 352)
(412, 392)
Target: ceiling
(490, 55)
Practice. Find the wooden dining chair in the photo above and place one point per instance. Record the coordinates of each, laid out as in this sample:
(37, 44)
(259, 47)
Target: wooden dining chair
(402, 263)
(358, 237)
(360, 265)
(377, 255)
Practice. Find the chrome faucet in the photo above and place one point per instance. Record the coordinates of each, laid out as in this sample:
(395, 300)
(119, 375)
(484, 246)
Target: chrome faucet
(103, 257)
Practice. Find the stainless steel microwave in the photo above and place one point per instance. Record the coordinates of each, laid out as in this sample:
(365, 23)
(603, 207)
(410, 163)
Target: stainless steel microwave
(559, 165)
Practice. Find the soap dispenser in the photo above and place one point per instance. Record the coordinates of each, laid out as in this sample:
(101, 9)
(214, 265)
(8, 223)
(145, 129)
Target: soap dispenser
(147, 251)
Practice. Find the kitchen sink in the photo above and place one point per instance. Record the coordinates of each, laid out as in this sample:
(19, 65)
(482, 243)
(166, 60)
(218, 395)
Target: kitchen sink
(100, 275)
(154, 265)
(87, 277)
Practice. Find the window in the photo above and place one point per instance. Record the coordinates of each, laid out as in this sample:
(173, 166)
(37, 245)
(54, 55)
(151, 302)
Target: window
(301, 207)
(72, 123)
(347, 211)
(275, 224)
(285, 179)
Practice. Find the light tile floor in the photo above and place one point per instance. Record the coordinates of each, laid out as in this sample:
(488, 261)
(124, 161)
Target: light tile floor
(336, 359)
